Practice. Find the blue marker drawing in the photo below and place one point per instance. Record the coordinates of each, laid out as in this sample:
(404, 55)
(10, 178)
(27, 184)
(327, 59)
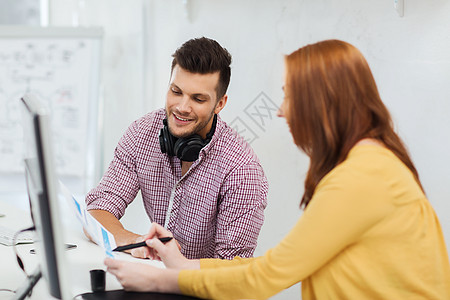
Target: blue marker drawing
(77, 205)
(106, 243)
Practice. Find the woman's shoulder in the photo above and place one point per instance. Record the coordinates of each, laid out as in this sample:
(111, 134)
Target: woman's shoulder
(376, 170)
(369, 162)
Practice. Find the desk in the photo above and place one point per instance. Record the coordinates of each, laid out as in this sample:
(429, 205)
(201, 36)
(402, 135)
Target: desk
(85, 257)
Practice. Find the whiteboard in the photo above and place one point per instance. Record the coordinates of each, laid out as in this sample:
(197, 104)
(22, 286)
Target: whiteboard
(61, 67)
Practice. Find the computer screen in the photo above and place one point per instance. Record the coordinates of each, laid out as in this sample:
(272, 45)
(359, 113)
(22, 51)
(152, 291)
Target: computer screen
(42, 192)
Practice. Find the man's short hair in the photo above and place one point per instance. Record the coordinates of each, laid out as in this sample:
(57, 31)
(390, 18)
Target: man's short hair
(205, 56)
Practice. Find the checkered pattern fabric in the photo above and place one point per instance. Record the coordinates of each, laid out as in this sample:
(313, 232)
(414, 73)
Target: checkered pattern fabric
(217, 208)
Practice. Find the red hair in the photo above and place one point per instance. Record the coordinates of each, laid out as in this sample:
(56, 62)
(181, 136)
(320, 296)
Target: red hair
(332, 103)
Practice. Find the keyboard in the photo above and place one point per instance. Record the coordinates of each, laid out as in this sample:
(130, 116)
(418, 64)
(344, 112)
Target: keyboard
(7, 236)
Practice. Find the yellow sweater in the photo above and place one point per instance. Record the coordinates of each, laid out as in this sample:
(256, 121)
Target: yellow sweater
(368, 233)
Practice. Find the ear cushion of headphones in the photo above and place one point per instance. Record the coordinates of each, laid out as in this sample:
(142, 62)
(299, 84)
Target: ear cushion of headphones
(187, 149)
(166, 141)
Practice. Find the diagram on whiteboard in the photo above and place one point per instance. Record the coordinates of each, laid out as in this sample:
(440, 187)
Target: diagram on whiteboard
(58, 74)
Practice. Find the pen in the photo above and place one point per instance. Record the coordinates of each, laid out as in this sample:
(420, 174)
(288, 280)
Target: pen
(141, 244)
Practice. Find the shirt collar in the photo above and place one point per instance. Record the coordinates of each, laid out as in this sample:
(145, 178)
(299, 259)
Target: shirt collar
(219, 128)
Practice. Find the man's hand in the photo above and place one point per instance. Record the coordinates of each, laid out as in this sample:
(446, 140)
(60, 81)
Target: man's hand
(121, 235)
(87, 235)
(141, 252)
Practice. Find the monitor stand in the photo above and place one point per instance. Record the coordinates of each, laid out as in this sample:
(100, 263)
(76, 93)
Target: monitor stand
(26, 288)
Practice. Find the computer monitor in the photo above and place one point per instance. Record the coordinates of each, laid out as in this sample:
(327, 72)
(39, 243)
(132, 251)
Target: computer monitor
(42, 192)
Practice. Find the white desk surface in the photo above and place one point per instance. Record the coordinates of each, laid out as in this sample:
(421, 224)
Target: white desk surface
(85, 257)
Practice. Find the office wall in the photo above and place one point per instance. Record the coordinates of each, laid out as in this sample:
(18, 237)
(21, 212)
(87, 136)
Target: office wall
(409, 58)
(122, 75)
(20, 12)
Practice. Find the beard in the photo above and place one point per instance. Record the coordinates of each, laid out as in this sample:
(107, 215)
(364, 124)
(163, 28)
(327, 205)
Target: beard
(197, 127)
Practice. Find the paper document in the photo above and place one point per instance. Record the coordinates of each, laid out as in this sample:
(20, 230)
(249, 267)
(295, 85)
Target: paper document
(98, 233)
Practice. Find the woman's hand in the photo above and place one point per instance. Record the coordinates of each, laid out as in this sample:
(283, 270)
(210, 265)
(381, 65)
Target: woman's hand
(141, 277)
(168, 252)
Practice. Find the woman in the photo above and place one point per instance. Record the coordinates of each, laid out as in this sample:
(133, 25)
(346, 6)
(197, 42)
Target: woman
(367, 232)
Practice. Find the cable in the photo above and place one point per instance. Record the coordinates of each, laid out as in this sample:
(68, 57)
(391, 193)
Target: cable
(25, 290)
(19, 260)
(7, 290)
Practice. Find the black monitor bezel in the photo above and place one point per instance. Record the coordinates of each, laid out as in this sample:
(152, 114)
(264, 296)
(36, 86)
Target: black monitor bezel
(43, 198)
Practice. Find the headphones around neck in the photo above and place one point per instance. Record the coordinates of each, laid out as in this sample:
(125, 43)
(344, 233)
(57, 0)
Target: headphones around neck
(187, 148)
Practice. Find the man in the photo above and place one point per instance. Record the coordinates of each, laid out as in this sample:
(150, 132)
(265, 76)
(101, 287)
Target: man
(198, 178)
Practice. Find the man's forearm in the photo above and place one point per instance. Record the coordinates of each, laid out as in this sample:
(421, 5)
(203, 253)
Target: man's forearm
(113, 225)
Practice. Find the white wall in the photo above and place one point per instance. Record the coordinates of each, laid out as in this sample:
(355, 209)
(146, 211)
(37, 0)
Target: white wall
(122, 73)
(409, 56)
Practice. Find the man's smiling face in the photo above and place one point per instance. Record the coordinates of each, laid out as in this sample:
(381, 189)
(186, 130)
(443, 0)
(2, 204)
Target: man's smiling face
(191, 102)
